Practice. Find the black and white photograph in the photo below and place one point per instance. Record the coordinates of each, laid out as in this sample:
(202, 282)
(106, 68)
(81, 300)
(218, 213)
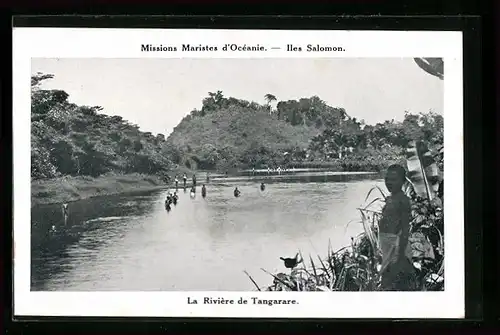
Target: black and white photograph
(238, 175)
(192, 175)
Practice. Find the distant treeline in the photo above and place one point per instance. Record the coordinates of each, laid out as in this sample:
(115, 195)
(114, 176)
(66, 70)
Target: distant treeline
(226, 134)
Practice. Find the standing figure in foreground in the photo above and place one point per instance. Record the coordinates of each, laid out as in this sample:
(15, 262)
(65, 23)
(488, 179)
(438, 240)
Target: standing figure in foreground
(185, 178)
(262, 186)
(394, 229)
(194, 180)
(203, 191)
(176, 183)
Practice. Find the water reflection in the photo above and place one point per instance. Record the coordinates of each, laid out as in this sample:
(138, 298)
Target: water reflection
(90, 225)
(130, 242)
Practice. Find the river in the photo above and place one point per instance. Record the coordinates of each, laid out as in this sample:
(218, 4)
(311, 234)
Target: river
(130, 242)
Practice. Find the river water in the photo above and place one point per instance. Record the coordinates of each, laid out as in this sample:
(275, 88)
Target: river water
(130, 242)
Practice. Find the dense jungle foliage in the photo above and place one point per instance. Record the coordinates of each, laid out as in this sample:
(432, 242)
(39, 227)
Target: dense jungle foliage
(226, 134)
(67, 139)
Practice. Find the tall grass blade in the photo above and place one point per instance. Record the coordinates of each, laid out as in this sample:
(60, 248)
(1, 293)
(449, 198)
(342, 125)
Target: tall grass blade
(314, 268)
(325, 269)
(307, 271)
(301, 260)
(323, 288)
(348, 224)
(375, 188)
(370, 234)
(253, 281)
(441, 269)
(372, 202)
(340, 250)
(278, 279)
(369, 211)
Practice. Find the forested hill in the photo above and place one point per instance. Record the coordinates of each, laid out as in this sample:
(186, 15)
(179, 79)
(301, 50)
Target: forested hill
(227, 133)
(67, 139)
(231, 133)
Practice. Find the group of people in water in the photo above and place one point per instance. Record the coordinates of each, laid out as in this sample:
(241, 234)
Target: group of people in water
(173, 198)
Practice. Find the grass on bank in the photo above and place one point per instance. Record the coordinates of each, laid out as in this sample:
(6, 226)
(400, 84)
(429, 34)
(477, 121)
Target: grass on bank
(72, 188)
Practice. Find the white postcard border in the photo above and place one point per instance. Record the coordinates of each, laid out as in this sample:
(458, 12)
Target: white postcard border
(31, 43)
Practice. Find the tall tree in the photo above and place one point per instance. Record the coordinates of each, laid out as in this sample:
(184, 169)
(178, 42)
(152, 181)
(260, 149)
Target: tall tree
(269, 99)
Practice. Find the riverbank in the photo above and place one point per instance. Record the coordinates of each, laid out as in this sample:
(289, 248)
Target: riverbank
(74, 188)
(70, 188)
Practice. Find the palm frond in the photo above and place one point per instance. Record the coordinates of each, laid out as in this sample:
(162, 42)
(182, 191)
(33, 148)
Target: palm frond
(423, 171)
(433, 66)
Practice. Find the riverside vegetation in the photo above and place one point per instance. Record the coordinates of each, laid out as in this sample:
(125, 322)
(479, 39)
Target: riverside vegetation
(78, 152)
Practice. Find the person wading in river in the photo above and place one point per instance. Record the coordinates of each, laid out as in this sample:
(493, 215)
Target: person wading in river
(194, 180)
(394, 228)
(65, 211)
(169, 198)
(176, 183)
(185, 178)
(203, 191)
(168, 202)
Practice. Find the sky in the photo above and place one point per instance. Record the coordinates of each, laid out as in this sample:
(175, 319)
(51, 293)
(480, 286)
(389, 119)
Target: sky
(157, 93)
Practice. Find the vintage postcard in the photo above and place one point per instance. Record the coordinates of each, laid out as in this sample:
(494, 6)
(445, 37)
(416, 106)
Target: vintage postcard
(238, 173)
